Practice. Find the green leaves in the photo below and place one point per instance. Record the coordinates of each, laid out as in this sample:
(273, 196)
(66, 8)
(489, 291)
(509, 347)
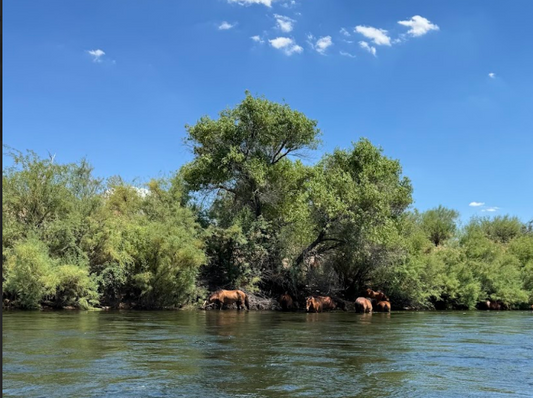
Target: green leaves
(28, 273)
(237, 152)
(246, 213)
(355, 199)
(32, 277)
(68, 239)
(439, 224)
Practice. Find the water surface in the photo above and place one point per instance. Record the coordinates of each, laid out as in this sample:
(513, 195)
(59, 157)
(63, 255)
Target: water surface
(267, 354)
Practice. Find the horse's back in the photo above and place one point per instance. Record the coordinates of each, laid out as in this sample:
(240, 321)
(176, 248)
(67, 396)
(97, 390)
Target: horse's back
(363, 304)
(327, 302)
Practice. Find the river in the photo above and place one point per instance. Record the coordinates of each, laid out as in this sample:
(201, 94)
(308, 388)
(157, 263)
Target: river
(267, 354)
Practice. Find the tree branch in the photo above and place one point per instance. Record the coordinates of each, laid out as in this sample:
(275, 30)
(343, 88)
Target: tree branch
(278, 152)
(314, 244)
(226, 189)
(282, 156)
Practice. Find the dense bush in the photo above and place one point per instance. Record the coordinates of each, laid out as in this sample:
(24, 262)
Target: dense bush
(28, 273)
(68, 239)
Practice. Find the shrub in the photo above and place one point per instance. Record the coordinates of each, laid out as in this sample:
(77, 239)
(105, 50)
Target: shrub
(29, 273)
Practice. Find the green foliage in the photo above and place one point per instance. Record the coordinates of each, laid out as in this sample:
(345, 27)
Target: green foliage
(480, 265)
(28, 273)
(147, 247)
(68, 239)
(75, 287)
(237, 257)
(357, 199)
(246, 213)
(439, 224)
(501, 229)
(240, 153)
(258, 211)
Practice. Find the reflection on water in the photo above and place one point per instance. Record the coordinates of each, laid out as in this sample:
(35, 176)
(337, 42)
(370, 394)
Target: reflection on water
(267, 354)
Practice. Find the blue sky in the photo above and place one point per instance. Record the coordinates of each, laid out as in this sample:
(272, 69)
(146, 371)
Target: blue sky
(116, 81)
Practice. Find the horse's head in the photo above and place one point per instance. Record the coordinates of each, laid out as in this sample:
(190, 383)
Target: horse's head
(381, 296)
(369, 293)
(308, 303)
(213, 297)
(333, 303)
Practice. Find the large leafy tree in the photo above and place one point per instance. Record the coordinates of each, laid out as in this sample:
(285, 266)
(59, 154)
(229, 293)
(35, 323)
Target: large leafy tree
(357, 200)
(245, 161)
(242, 152)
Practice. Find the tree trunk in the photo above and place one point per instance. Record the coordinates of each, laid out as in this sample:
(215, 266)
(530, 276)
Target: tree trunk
(314, 244)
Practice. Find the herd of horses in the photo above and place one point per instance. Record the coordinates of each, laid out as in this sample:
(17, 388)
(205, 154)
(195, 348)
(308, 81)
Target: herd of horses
(372, 301)
(369, 301)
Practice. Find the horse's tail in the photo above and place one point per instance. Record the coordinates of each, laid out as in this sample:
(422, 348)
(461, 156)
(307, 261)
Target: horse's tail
(246, 302)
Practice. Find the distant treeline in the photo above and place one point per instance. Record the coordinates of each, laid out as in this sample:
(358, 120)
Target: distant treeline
(247, 214)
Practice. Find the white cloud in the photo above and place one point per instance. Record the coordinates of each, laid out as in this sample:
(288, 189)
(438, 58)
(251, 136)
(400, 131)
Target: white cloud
(257, 39)
(400, 38)
(322, 44)
(345, 54)
(286, 44)
(419, 26)
(285, 24)
(378, 36)
(97, 54)
(289, 4)
(367, 47)
(225, 26)
(491, 209)
(345, 32)
(267, 3)
(492, 75)
(476, 204)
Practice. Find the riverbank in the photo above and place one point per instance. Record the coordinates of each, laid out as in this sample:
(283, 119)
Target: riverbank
(271, 305)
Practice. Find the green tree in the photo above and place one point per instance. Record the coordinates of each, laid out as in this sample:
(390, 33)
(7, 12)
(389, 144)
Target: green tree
(241, 152)
(244, 161)
(357, 200)
(439, 224)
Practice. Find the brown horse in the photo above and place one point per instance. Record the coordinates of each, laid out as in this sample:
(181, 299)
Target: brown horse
(363, 304)
(327, 303)
(379, 295)
(383, 306)
(312, 304)
(320, 303)
(498, 305)
(228, 297)
(483, 305)
(286, 302)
